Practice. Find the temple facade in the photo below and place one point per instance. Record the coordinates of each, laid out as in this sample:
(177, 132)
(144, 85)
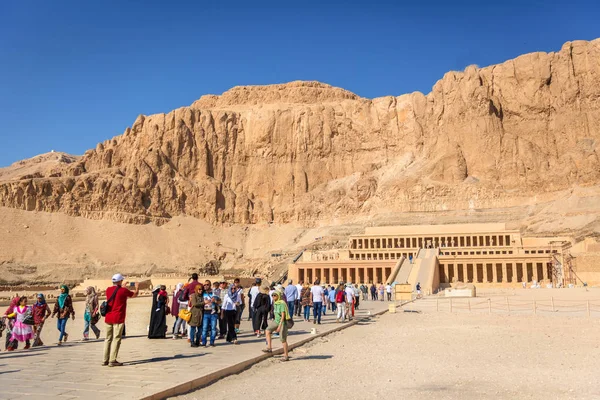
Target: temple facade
(487, 254)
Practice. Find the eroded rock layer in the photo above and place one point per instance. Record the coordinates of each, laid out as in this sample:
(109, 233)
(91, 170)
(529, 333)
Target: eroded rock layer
(305, 151)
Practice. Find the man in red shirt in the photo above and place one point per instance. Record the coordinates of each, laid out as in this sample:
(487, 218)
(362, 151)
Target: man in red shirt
(115, 318)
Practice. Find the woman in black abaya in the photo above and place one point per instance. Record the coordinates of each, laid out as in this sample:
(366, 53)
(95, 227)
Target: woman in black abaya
(158, 316)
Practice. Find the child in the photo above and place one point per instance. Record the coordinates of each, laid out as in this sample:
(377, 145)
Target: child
(21, 331)
(163, 297)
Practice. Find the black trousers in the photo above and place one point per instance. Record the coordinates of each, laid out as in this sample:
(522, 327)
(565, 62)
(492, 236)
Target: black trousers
(222, 325)
(260, 320)
(230, 316)
(297, 307)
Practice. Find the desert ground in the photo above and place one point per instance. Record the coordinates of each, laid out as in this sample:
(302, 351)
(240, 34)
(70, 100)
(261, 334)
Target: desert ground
(439, 355)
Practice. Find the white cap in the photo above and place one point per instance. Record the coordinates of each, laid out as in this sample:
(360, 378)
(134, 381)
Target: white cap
(117, 278)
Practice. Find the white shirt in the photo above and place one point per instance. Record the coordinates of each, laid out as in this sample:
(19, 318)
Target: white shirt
(229, 303)
(299, 287)
(388, 289)
(254, 291)
(349, 294)
(317, 294)
(271, 295)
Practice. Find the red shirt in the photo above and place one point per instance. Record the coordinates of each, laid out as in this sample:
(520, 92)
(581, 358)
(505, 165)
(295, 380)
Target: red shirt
(118, 306)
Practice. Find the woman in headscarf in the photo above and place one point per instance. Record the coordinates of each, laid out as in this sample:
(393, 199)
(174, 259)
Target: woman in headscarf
(278, 325)
(21, 331)
(10, 322)
(262, 306)
(196, 304)
(232, 300)
(41, 311)
(91, 313)
(158, 316)
(63, 308)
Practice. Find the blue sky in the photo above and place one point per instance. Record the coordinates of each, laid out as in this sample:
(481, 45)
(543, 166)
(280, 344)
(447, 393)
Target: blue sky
(74, 73)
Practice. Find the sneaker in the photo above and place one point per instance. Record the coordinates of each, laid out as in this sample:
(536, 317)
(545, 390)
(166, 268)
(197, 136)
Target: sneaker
(27, 346)
(194, 345)
(276, 335)
(237, 331)
(105, 364)
(66, 337)
(115, 364)
(158, 309)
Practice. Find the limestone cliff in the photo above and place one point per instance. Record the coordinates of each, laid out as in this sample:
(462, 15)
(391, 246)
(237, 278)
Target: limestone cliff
(304, 151)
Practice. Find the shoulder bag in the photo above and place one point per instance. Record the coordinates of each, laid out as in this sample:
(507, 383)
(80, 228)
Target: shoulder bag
(105, 306)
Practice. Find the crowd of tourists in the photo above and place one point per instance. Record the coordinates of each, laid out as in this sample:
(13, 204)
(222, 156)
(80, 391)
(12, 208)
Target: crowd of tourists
(204, 312)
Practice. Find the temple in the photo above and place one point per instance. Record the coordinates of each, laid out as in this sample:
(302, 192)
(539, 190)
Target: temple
(440, 256)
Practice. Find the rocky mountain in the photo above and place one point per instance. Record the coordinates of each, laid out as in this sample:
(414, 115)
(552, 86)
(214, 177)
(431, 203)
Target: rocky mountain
(499, 136)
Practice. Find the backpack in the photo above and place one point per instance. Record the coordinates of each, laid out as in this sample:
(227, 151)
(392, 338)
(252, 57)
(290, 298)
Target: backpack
(339, 297)
(183, 295)
(105, 306)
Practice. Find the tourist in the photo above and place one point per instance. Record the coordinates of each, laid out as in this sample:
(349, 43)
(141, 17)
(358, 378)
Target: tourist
(252, 295)
(349, 301)
(271, 291)
(158, 313)
(90, 315)
(365, 292)
(340, 302)
(179, 326)
(189, 290)
(305, 302)
(22, 332)
(317, 297)
(222, 292)
(240, 307)
(298, 302)
(262, 306)
(388, 291)
(210, 317)
(41, 312)
(418, 289)
(196, 304)
(380, 291)
(114, 319)
(11, 345)
(325, 300)
(373, 292)
(356, 297)
(291, 296)
(279, 325)
(331, 296)
(230, 302)
(63, 308)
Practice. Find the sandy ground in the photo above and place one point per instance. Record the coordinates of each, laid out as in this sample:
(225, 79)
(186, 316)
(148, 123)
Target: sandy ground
(445, 356)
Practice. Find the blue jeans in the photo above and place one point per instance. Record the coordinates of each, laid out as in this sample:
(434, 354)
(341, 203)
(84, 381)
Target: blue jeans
(317, 306)
(209, 319)
(195, 335)
(307, 312)
(61, 325)
(333, 305)
(291, 307)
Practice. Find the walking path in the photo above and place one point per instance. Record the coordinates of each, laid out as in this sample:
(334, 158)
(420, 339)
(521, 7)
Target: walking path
(153, 368)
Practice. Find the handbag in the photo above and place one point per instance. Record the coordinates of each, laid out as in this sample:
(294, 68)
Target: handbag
(105, 306)
(289, 323)
(185, 315)
(28, 319)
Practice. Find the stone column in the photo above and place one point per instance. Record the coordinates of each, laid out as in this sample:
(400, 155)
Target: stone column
(446, 274)
(525, 277)
(485, 273)
(504, 273)
(514, 274)
(494, 273)
(455, 271)
(545, 271)
(535, 272)
(465, 275)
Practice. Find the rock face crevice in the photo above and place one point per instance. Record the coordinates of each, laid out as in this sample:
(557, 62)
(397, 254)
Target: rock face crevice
(305, 151)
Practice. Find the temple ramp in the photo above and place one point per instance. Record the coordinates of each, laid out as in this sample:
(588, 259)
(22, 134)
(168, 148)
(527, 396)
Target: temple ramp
(424, 269)
(397, 268)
